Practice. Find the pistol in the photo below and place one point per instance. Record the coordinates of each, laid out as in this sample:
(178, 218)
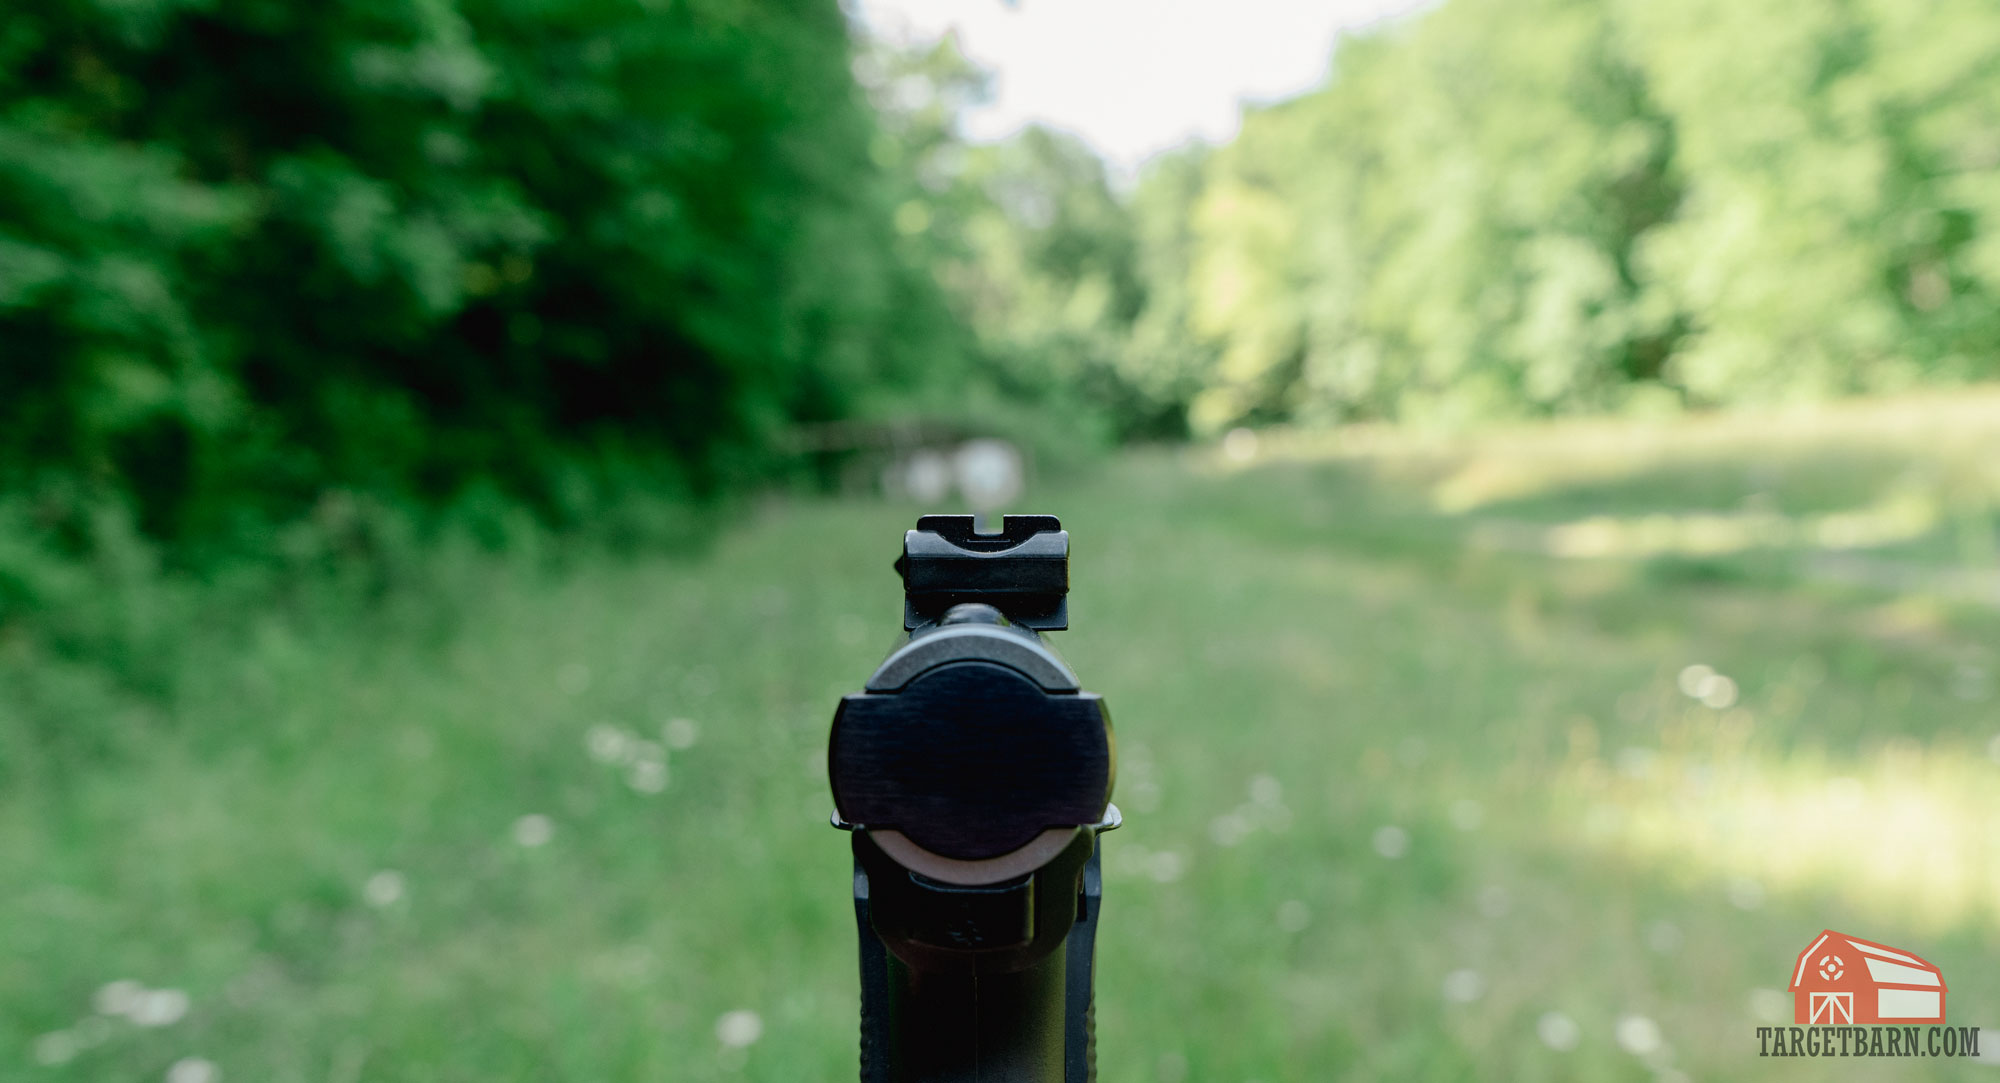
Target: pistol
(974, 775)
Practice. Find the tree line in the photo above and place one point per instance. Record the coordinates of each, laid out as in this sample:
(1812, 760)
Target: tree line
(432, 254)
(1531, 207)
(267, 263)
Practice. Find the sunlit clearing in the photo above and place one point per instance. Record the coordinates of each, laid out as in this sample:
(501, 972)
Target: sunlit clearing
(1960, 429)
(1896, 518)
(1911, 834)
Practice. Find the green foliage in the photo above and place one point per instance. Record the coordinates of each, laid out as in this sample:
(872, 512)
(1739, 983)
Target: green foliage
(1040, 256)
(251, 253)
(1560, 205)
(1048, 278)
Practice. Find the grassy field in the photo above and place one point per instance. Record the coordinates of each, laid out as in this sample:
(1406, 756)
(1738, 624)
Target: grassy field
(1536, 755)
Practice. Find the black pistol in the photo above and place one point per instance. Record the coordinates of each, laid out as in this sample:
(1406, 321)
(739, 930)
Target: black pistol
(975, 774)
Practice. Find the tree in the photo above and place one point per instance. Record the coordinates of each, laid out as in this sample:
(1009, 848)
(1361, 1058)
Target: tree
(253, 252)
(1553, 205)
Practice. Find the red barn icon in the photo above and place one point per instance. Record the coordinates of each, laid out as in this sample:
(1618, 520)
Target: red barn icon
(1844, 979)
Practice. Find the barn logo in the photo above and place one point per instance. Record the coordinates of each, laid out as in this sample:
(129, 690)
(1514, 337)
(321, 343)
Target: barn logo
(1843, 979)
(1857, 998)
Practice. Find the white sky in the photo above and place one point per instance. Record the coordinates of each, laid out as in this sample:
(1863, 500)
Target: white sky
(1133, 77)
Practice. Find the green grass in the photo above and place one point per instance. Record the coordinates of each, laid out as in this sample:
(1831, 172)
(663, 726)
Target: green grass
(1310, 657)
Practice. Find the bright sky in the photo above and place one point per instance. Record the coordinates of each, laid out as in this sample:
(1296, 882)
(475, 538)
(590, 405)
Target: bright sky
(1133, 77)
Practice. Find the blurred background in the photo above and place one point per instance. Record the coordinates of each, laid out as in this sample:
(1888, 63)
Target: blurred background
(1533, 467)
